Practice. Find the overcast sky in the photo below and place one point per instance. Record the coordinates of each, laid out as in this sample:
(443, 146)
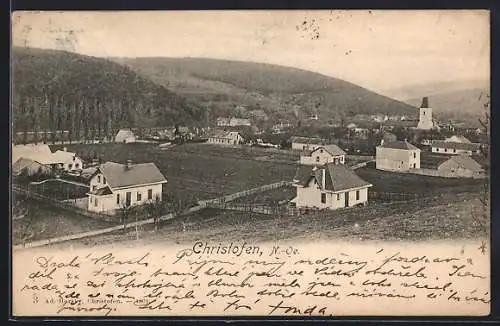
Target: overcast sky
(379, 50)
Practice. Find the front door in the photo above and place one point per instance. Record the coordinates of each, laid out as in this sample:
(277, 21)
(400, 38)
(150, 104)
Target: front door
(128, 198)
(346, 195)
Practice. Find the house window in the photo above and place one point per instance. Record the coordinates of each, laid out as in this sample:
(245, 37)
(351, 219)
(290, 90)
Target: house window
(94, 187)
(414, 155)
(414, 165)
(117, 199)
(77, 166)
(70, 166)
(150, 193)
(317, 158)
(104, 180)
(454, 150)
(323, 198)
(95, 202)
(91, 200)
(139, 196)
(446, 150)
(98, 179)
(437, 149)
(321, 151)
(338, 196)
(357, 194)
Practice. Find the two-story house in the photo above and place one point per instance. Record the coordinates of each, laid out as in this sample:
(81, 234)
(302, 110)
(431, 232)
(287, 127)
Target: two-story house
(323, 154)
(397, 156)
(114, 185)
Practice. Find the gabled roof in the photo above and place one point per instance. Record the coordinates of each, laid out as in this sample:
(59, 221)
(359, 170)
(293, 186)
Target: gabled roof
(125, 133)
(338, 177)
(120, 176)
(458, 139)
(398, 145)
(224, 134)
(63, 156)
(456, 145)
(333, 149)
(101, 191)
(465, 162)
(21, 164)
(308, 140)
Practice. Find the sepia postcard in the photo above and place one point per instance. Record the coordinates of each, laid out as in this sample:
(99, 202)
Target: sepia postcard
(250, 163)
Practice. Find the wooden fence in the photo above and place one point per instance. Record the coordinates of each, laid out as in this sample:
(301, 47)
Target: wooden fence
(62, 204)
(221, 201)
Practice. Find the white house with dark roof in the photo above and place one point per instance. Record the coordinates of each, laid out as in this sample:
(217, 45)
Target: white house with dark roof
(114, 185)
(306, 143)
(455, 148)
(226, 138)
(125, 136)
(330, 186)
(397, 156)
(323, 154)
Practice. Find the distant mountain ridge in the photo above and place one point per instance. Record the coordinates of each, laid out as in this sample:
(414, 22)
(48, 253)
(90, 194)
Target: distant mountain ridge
(270, 90)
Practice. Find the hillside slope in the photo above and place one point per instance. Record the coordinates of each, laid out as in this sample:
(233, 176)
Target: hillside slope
(267, 90)
(465, 101)
(61, 90)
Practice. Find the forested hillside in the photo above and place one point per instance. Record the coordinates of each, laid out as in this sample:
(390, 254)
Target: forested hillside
(271, 91)
(56, 90)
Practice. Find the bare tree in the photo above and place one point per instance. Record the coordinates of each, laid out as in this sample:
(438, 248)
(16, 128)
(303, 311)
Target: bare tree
(126, 212)
(155, 208)
(482, 219)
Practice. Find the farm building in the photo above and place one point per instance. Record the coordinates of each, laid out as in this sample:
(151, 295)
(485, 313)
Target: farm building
(456, 166)
(226, 138)
(68, 160)
(306, 143)
(29, 167)
(454, 148)
(125, 136)
(115, 185)
(29, 151)
(397, 156)
(330, 186)
(322, 155)
(457, 139)
(233, 122)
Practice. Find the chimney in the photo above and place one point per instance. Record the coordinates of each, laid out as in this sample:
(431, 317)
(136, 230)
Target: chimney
(128, 165)
(425, 102)
(65, 149)
(323, 172)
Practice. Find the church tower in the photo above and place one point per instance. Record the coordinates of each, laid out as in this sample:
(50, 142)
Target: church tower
(425, 119)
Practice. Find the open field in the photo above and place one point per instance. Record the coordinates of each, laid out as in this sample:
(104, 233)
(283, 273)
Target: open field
(406, 183)
(200, 171)
(44, 221)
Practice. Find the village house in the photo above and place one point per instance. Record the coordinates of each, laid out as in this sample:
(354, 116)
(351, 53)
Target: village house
(330, 186)
(397, 156)
(226, 138)
(233, 122)
(389, 136)
(114, 186)
(306, 143)
(60, 160)
(454, 148)
(361, 133)
(125, 136)
(29, 167)
(456, 166)
(322, 155)
(458, 139)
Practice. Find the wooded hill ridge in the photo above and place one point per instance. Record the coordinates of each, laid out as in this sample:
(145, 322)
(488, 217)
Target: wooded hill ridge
(268, 91)
(58, 90)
